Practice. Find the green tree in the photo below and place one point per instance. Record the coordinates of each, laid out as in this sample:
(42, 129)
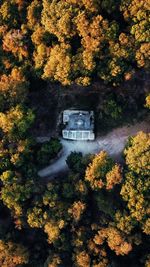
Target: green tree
(16, 121)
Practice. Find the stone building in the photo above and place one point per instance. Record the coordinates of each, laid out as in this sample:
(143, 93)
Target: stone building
(78, 125)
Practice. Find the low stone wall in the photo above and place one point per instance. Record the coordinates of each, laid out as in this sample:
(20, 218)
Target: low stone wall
(43, 139)
(57, 157)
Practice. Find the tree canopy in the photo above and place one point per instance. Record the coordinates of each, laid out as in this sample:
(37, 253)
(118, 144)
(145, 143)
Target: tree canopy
(73, 41)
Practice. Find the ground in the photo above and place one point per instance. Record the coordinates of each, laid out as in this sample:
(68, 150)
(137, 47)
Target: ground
(113, 143)
(49, 100)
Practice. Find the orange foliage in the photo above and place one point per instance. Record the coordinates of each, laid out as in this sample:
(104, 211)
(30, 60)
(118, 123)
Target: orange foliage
(83, 259)
(13, 42)
(115, 240)
(77, 210)
(101, 173)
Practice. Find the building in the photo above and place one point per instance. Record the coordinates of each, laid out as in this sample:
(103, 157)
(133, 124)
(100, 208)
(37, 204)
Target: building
(78, 125)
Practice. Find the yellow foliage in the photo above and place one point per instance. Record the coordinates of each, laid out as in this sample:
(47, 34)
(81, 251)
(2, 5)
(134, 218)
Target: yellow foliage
(53, 261)
(41, 55)
(93, 170)
(115, 240)
(32, 14)
(8, 120)
(14, 86)
(92, 33)
(147, 262)
(113, 177)
(102, 263)
(13, 42)
(57, 19)
(81, 187)
(123, 222)
(12, 254)
(138, 154)
(76, 210)
(85, 81)
(143, 55)
(37, 36)
(52, 229)
(59, 64)
(148, 101)
(101, 173)
(146, 226)
(83, 259)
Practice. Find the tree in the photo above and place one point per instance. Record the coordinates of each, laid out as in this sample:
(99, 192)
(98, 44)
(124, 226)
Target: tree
(135, 192)
(137, 153)
(76, 210)
(57, 19)
(13, 254)
(16, 121)
(52, 229)
(8, 13)
(135, 187)
(14, 41)
(14, 192)
(112, 109)
(48, 151)
(35, 217)
(58, 65)
(102, 172)
(77, 163)
(136, 14)
(13, 88)
(33, 14)
(115, 240)
(83, 259)
(148, 101)
(53, 260)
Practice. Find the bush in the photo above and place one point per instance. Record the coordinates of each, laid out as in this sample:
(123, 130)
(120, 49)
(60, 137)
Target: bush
(48, 151)
(77, 163)
(112, 109)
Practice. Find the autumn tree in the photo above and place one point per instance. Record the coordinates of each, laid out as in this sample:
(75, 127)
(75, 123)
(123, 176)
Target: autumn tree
(148, 101)
(16, 121)
(33, 14)
(137, 153)
(115, 240)
(8, 13)
(14, 192)
(102, 172)
(136, 184)
(57, 19)
(13, 254)
(58, 65)
(14, 41)
(53, 260)
(136, 14)
(13, 88)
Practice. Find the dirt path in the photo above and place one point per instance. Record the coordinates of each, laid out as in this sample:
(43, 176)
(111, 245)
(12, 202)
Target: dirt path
(113, 143)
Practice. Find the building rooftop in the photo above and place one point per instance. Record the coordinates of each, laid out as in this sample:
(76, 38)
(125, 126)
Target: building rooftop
(78, 125)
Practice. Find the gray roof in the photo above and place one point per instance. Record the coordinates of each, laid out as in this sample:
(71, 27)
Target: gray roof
(79, 124)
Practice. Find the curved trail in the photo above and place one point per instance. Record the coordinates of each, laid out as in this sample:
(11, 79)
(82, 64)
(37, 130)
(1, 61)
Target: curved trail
(113, 143)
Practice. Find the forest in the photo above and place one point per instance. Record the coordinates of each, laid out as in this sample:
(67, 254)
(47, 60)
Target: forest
(97, 214)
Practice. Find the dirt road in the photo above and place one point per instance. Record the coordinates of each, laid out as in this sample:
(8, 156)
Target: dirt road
(113, 143)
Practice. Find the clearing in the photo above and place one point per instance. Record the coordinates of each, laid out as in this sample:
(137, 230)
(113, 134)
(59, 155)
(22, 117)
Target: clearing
(113, 143)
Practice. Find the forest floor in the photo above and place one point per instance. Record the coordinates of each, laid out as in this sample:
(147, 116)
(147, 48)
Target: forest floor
(113, 142)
